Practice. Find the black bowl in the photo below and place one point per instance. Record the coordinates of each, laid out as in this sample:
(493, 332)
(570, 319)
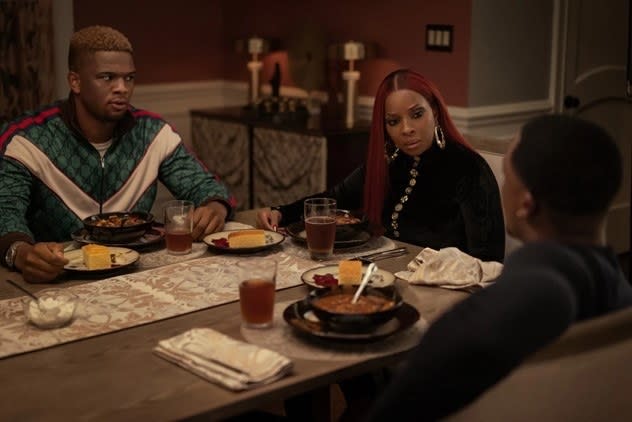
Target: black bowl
(349, 224)
(387, 301)
(118, 227)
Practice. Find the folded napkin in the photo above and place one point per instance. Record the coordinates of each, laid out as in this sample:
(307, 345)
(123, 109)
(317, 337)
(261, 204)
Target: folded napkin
(224, 360)
(450, 268)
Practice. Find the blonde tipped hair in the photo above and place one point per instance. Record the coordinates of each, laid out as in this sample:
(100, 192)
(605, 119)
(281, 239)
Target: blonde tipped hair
(96, 38)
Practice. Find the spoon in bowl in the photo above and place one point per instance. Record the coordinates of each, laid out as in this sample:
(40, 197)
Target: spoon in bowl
(367, 276)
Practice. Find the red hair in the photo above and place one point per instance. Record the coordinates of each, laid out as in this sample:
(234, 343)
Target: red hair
(376, 178)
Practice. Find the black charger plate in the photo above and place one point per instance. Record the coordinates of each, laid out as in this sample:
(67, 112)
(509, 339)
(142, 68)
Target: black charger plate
(297, 232)
(152, 237)
(301, 318)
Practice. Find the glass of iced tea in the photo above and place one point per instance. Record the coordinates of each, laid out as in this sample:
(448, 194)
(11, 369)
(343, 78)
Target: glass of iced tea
(320, 227)
(178, 219)
(257, 285)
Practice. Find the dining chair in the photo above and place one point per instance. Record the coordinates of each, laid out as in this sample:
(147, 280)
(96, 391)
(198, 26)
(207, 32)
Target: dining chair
(585, 375)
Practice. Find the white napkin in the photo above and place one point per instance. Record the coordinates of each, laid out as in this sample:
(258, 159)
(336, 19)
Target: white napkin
(223, 360)
(450, 268)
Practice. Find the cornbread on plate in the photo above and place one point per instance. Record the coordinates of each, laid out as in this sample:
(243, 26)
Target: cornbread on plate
(96, 257)
(349, 272)
(249, 238)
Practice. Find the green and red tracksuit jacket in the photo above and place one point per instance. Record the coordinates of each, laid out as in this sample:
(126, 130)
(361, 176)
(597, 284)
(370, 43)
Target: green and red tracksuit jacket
(51, 177)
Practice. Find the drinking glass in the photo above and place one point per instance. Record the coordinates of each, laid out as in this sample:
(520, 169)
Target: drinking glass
(257, 285)
(178, 219)
(320, 227)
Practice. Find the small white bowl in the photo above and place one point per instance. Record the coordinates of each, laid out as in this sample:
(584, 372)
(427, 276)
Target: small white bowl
(54, 308)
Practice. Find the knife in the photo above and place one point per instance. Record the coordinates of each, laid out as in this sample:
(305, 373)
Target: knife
(375, 256)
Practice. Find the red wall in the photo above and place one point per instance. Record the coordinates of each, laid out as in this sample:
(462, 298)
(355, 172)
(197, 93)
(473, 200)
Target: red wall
(397, 27)
(194, 39)
(173, 41)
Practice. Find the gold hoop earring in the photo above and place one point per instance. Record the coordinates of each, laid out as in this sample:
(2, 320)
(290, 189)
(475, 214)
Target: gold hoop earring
(439, 137)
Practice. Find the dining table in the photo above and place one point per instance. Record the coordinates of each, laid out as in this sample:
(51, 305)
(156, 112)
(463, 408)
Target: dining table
(110, 371)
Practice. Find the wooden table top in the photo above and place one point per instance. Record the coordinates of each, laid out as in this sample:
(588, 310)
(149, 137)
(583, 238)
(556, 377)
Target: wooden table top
(116, 375)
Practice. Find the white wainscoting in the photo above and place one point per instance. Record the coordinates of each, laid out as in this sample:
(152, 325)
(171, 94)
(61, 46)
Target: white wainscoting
(174, 101)
(500, 121)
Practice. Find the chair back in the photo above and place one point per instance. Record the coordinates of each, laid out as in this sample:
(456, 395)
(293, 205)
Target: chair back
(585, 375)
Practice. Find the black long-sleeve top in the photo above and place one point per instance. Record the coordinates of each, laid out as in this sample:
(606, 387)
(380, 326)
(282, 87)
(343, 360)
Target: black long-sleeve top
(543, 289)
(455, 202)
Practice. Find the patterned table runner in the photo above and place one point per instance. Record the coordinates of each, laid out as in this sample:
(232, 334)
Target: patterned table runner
(157, 293)
(161, 257)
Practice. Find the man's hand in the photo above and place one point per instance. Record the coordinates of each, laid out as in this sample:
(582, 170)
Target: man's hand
(208, 219)
(40, 263)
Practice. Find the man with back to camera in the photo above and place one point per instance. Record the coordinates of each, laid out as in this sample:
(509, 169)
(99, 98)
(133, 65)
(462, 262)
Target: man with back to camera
(92, 153)
(561, 175)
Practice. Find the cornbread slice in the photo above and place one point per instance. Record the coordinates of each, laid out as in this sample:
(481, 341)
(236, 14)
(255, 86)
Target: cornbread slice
(246, 238)
(96, 257)
(349, 272)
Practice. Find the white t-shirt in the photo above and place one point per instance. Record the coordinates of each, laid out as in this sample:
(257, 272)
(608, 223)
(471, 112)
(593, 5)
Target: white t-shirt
(102, 147)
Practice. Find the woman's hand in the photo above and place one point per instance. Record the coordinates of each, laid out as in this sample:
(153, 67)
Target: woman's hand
(42, 262)
(268, 219)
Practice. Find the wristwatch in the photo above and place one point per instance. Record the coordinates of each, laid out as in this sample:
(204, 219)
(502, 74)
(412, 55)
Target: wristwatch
(12, 253)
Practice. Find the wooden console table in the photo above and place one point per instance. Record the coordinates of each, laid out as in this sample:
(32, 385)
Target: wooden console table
(266, 163)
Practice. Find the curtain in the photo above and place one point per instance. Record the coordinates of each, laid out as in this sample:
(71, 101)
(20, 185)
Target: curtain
(26, 56)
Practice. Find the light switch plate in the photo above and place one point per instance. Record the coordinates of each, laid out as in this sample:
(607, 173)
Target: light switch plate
(439, 37)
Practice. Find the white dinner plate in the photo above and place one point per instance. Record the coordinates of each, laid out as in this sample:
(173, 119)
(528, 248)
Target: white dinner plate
(380, 278)
(272, 239)
(359, 237)
(121, 258)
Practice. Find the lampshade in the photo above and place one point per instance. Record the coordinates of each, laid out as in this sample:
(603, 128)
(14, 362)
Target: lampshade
(353, 50)
(256, 45)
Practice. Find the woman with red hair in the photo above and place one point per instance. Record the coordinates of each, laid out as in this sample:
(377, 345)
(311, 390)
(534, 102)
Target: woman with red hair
(422, 183)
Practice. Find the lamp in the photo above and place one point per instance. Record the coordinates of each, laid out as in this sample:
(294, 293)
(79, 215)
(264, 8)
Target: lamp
(352, 51)
(256, 47)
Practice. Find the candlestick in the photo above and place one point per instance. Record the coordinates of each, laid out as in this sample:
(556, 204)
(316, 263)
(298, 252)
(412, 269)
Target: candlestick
(254, 88)
(351, 78)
